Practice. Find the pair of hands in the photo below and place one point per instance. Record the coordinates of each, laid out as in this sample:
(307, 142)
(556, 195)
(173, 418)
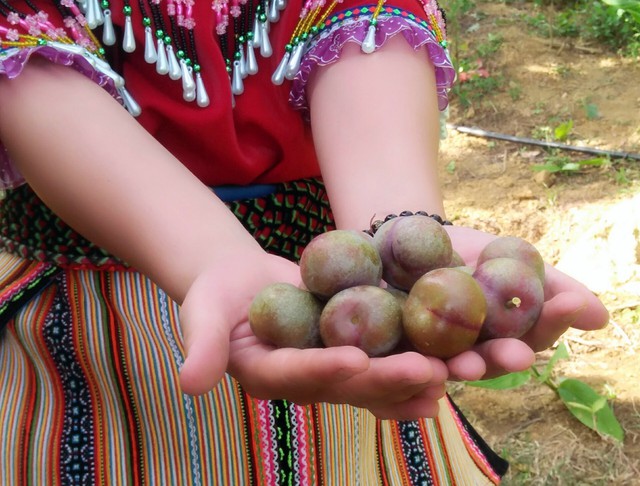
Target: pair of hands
(218, 339)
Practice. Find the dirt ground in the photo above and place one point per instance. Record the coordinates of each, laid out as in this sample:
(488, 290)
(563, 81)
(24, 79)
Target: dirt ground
(586, 222)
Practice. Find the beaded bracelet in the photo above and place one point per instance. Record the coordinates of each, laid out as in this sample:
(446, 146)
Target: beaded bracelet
(377, 223)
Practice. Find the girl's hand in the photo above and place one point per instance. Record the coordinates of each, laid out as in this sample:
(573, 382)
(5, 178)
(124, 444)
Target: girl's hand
(568, 303)
(218, 338)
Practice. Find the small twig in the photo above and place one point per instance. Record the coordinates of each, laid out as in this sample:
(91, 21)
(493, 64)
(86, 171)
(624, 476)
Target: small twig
(584, 342)
(628, 305)
(622, 334)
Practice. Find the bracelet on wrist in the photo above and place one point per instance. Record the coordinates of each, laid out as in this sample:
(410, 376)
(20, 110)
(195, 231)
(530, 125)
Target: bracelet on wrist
(379, 222)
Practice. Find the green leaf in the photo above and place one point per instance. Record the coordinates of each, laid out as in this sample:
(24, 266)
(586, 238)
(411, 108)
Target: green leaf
(561, 352)
(504, 382)
(571, 166)
(588, 407)
(563, 130)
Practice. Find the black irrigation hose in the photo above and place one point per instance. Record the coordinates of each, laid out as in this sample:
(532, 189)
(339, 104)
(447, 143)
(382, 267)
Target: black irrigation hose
(478, 132)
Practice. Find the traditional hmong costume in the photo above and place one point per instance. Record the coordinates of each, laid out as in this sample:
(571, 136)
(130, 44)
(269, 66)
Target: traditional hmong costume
(91, 349)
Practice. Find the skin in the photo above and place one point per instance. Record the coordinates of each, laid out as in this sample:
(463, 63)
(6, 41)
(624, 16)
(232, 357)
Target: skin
(209, 269)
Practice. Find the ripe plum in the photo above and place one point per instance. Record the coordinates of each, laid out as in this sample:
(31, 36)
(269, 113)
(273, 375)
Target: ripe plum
(444, 312)
(286, 316)
(365, 316)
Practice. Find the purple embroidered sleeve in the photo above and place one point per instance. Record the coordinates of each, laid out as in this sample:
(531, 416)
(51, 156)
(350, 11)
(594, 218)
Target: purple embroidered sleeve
(12, 63)
(327, 46)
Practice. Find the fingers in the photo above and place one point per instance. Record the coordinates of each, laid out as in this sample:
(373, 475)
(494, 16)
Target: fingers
(206, 342)
(558, 314)
(266, 372)
(579, 306)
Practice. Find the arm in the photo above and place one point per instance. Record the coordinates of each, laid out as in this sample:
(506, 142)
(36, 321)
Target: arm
(378, 147)
(132, 197)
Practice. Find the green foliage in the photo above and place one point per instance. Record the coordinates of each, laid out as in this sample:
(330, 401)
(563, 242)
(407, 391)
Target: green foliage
(612, 23)
(582, 401)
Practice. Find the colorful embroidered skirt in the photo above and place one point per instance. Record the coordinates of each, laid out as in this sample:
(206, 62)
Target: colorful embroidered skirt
(89, 362)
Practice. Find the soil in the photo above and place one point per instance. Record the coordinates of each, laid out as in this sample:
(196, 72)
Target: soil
(586, 222)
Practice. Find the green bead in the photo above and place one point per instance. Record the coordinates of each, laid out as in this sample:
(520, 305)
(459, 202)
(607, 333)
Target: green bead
(42, 42)
(305, 36)
(236, 56)
(296, 40)
(262, 17)
(374, 22)
(196, 68)
(159, 34)
(241, 39)
(127, 10)
(444, 44)
(288, 48)
(229, 69)
(146, 21)
(167, 40)
(101, 51)
(104, 4)
(250, 35)
(180, 54)
(314, 30)
(188, 61)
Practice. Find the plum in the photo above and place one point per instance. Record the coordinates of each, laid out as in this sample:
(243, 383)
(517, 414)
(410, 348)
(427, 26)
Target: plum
(516, 248)
(286, 316)
(411, 246)
(444, 312)
(514, 295)
(365, 316)
(339, 259)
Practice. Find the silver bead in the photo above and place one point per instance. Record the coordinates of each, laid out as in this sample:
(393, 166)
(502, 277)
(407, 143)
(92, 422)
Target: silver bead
(273, 15)
(257, 31)
(282, 4)
(188, 84)
(243, 62)
(294, 61)
(128, 41)
(108, 32)
(130, 104)
(252, 62)
(237, 86)
(175, 72)
(93, 14)
(202, 98)
(150, 53)
(369, 42)
(162, 66)
(278, 76)
(265, 44)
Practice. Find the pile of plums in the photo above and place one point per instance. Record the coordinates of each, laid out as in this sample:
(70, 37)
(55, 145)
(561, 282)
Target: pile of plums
(403, 288)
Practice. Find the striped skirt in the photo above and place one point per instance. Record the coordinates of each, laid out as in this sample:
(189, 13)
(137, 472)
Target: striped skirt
(89, 362)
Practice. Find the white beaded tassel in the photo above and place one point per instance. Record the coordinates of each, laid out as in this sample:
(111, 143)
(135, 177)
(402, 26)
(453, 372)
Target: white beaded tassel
(202, 98)
(162, 66)
(130, 104)
(252, 62)
(369, 42)
(150, 52)
(108, 32)
(278, 75)
(265, 44)
(128, 41)
(188, 84)
(294, 61)
(93, 14)
(175, 72)
(237, 85)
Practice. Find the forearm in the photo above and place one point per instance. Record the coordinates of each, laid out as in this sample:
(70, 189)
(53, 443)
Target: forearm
(377, 134)
(103, 174)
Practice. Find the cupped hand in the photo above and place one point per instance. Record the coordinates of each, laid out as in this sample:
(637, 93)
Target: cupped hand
(568, 303)
(218, 339)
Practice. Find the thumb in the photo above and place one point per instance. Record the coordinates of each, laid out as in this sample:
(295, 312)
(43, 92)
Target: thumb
(206, 342)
